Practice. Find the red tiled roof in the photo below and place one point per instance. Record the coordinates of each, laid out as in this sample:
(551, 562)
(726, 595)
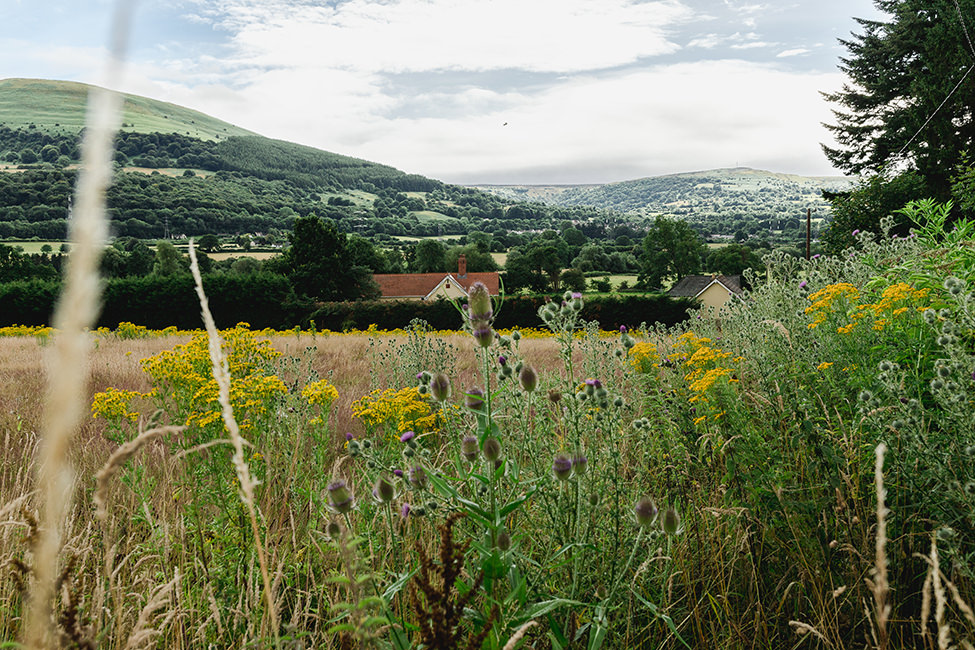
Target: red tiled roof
(419, 285)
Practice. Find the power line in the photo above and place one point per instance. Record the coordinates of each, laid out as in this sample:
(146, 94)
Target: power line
(930, 117)
(964, 27)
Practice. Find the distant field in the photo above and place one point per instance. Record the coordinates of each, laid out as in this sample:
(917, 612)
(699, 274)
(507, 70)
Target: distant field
(224, 255)
(32, 247)
(499, 258)
(429, 215)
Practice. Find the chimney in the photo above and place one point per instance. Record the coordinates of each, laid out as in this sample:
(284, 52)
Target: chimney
(462, 266)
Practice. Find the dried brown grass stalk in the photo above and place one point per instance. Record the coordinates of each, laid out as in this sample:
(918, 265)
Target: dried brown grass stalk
(144, 632)
(221, 373)
(879, 585)
(119, 458)
(75, 313)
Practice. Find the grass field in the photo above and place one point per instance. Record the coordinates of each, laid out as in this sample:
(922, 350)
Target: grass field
(31, 247)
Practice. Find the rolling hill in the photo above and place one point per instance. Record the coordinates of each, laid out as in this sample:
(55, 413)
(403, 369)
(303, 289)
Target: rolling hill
(698, 196)
(59, 107)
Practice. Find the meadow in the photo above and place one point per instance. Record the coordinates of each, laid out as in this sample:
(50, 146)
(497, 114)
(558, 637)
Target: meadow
(797, 472)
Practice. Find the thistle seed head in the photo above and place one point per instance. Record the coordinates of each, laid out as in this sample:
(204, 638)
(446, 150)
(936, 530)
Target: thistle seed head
(418, 477)
(670, 521)
(468, 448)
(383, 490)
(475, 399)
(340, 497)
(440, 387)
(645, 511)
(491, 449)
(562, 467)
(528, 379)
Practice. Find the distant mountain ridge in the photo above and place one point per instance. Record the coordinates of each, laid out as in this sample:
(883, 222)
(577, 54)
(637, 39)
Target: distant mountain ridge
(738, 191)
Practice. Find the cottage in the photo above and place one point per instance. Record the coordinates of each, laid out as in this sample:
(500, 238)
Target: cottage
(430, 286)
(713, 291)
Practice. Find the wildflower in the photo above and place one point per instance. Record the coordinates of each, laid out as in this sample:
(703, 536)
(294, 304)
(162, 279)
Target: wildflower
(404, 511)
(406, 437)
(468, 447)
(398, 473)
(503, 540)
(418, 477)
(622, 329)
(528, 379)
(856, 232)
(348, 436)
(562, 467)
(580, 464)
(484, 334)
(670, 521)
(645, 511)
(479, 302)
(383, 490)
(491, 449)
(339, 497)
(803, 284)
(475, 399)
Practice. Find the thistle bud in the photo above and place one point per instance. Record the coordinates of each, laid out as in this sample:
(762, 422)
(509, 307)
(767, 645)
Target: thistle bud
(468, 448)
(383, 490)
(593, 499)
(491, 449)
(479, 300)
(440, 387)
(503, 539)
(333, 529)
(580, 464)
(483, 334)
(475, 399)
(515, 335)
(339, 497)
(645, 511)
(562, 467)
(554, 395)
(670, 521)
(528, 379)
(418, 477)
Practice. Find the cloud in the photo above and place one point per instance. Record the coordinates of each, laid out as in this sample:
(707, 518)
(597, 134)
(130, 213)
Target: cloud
(417, 35)
(596, 129)
(793, 52)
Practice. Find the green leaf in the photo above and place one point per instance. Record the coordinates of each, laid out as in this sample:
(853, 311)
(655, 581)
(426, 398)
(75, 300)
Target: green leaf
(514, 505)
(397, 586)
(666, 619)
(541, 609)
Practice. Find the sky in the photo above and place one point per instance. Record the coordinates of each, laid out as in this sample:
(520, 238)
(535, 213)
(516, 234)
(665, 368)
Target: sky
(478, 91)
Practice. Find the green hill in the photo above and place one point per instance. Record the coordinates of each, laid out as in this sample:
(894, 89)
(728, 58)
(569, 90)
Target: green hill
(703, 196)
(59, 107)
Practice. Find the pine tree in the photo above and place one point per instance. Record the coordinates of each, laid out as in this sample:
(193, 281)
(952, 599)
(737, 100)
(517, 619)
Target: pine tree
(902, 72)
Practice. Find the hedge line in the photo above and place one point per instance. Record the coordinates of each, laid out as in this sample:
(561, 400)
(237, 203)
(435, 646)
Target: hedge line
(522, 311)
(267, 300)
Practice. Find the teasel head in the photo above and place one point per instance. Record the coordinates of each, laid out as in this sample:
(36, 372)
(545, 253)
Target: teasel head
(340, 497)
(580, 464)
(670, 521)
(475, 399)
(645, 511)
(383, 490)
(418, 477)
(468, 448)
(440, 387)
(479, 302)
(491, 449)
(528, 379)
(483, 333)
(562, 467)
(503, 539)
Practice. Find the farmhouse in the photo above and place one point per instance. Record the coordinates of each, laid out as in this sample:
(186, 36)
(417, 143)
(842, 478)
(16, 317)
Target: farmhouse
(714, 291)
(430, 286)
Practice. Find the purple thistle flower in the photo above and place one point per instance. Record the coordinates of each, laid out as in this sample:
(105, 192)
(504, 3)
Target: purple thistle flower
(348, 435)
(576, 294)
(816, 256)
(398, 473)
(406, 437)
(404, 512)
(622, 329)
(856, 232)
(802, 285)
(502, 360)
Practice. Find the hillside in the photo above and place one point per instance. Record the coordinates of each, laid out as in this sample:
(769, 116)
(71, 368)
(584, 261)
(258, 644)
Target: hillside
(704, 196)
(185, 173)
(59, 107)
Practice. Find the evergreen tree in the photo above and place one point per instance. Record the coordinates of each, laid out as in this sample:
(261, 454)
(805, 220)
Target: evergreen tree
(911, 87)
